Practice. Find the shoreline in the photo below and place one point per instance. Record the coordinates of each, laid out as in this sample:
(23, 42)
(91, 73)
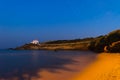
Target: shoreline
(73, 69)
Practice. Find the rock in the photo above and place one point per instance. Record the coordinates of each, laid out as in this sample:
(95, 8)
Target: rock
(114, 47)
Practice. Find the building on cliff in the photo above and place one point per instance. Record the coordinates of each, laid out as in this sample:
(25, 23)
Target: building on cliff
(35, 42)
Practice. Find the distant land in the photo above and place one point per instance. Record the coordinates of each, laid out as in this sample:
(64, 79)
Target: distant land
(76, 44)
(104, 43)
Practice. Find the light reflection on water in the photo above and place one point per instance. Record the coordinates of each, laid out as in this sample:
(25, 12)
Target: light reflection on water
(25, 65)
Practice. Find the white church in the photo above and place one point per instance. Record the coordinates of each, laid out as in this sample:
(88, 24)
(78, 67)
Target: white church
(35, 42)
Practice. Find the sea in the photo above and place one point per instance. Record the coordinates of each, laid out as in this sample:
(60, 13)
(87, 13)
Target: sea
(43, 64)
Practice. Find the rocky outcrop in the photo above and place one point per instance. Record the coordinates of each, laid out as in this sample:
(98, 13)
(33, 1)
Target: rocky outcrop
(28, 47)
(107, 43)
(114, 47)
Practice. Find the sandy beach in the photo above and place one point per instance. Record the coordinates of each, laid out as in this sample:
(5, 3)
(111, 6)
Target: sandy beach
(106, 67)
(73, 69)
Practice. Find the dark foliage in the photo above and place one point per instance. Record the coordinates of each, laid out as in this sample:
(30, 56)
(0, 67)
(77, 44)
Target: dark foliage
(68, 41)
(100, 42)
(97, 44)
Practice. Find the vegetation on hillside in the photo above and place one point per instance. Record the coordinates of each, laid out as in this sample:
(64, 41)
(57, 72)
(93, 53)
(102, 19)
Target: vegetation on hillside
(76, 44)
(69, 41)
(104, 43)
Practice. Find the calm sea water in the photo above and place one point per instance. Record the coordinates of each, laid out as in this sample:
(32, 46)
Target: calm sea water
(14, 64)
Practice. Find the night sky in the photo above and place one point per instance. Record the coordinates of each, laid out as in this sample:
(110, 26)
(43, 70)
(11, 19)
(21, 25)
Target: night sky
(21, 21)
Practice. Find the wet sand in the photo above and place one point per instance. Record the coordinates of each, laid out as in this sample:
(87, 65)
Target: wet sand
(106, 67)
(71, 69)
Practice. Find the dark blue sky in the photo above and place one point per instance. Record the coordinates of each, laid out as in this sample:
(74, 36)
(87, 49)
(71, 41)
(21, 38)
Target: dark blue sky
(24, 20)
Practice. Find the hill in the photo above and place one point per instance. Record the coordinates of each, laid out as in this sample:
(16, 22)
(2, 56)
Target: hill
(107, 43)
(76, 44)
